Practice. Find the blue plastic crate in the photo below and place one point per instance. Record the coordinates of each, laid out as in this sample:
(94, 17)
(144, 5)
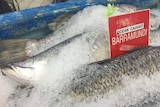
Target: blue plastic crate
(19, 22)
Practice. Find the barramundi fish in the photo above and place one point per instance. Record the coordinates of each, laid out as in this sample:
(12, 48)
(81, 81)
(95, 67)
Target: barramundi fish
(64, 28)
(58, 74)
(98, 81)
(65, 25)
(130, 80)
(96, 35)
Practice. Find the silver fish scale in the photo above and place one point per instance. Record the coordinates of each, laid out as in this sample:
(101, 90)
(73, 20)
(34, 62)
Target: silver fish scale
(99, 78)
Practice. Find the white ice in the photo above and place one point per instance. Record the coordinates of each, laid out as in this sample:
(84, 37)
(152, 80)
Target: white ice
(48, 82)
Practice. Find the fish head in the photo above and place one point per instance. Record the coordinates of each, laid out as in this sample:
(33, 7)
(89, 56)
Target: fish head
(22, 75)
(23, 72)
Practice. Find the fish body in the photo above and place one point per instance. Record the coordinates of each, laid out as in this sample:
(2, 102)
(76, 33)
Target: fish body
(101, 77)
(91, 83)
(60, 27)
(60, 68)
(96, 81)
(17, 50)
(95, 40)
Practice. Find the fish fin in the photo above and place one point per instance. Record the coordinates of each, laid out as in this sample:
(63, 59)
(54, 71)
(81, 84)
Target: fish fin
(13, 50)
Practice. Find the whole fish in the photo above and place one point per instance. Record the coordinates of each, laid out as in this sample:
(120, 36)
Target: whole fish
(94, 81)
(103, 76)
(96, 41)
(57, 64)
(91, 83)
(36, 47)
(64, 28)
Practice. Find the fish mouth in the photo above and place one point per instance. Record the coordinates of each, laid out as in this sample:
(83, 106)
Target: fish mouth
(19, 73)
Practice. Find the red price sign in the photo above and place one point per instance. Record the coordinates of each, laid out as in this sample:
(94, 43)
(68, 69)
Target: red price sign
(128, 31)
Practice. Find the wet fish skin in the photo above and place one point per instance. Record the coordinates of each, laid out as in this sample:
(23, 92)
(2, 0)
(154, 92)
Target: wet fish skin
(99, 78)
(36, 47)
(100, 53)
(14, 52)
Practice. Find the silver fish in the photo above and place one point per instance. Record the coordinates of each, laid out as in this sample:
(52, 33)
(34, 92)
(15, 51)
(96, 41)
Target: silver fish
(97, 80)
(96, 43)
(101, 77)
(93, 47)
(60, 26)
(94, 81)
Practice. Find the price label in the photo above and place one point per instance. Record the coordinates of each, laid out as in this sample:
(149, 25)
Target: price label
(128, 31)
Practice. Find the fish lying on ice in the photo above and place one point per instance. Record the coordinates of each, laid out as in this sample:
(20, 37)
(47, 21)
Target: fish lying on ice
(97, 40)
(18, 50)
(90, 44)
(131, 75)
(64, 30)
(94, 81)
(100, 77)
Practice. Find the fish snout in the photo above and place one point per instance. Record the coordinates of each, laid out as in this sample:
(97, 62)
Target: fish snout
(20, 74)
